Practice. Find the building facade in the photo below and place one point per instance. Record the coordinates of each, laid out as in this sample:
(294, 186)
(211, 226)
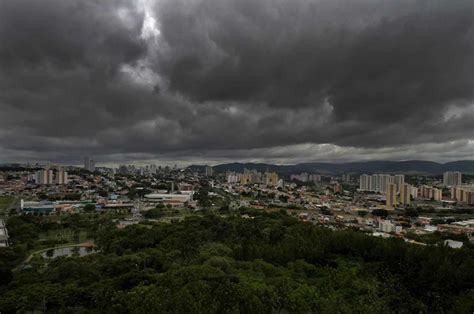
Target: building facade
(391, 195)
(452, 178)
(44, 176)
(405, 194)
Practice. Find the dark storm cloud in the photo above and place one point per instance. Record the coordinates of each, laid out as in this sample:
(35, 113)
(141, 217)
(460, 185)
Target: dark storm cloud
(96, 34)
(275, 76)
(375, 62)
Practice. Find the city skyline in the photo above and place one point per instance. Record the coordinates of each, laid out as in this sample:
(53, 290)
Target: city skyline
(82, 163)
(236, 156)
(209, 82)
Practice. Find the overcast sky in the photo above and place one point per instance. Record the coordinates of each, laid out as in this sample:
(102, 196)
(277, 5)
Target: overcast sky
(211, 81)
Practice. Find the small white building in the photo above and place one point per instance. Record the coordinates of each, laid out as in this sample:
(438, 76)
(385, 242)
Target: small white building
(453, 244)
(386, 226)
(175, 200)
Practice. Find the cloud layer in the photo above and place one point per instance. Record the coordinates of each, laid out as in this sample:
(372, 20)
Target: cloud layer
(276, 80)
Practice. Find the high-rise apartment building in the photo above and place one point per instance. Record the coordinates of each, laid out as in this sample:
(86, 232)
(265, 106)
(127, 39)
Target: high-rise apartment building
(89, 164)
(385, 180)
(399, 179)
(87, 161)
(470, 198)
(405, 193)
(209, 171)
(61, 177)
(376, 182)
(429, 192)
(233, 177)
(424, 191)
(452, 178)
(391, 195)
(270, 178)
(364, 183)
(463, 195)
(346, 178)
(314, 178)
(44, 176)
(379, 182)
(457, 194)
(251, 177)
(303, 177)
(437, 195)
(373, 183)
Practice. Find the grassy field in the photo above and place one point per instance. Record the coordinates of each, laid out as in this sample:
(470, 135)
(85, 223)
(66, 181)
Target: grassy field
(5, 203)
(66, 234)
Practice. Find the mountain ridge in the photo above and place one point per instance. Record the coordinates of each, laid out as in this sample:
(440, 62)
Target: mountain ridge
(359, 167)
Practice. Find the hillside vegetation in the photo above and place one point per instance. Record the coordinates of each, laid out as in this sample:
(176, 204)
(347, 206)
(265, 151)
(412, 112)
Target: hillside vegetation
(271, 263)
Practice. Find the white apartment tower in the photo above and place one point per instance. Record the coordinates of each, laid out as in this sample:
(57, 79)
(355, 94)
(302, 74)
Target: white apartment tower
(61, 177)
(89, 164)
(385, 180)
(209, 171)
(364, 184)
(399, 181)
(452, 178)
(44, 176)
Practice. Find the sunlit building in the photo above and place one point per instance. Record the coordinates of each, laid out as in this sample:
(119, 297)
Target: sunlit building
(405, 194)
(270, 178)
(391, 195)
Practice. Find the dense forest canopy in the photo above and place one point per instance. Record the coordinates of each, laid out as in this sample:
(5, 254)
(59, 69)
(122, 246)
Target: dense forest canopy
(271, 263)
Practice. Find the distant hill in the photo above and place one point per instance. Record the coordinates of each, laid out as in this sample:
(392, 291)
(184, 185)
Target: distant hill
(410, 166)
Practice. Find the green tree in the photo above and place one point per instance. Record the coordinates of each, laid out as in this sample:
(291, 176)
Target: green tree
(202, 197)
(380, 213)
(89, 208)
(411, 212)
(50, 253)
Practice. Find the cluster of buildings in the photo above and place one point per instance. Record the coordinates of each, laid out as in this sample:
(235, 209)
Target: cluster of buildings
(394, 225)
(48, 176)
(430, 193)
(253, 177)
(147, 170)
(379, 182)
(463, 194)
(173, 200)
(459, 227)
(308, 177)
(400, 193)
(181, 198)
(44, 207)
(393, 186)
(334, 200)
(117, 201)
